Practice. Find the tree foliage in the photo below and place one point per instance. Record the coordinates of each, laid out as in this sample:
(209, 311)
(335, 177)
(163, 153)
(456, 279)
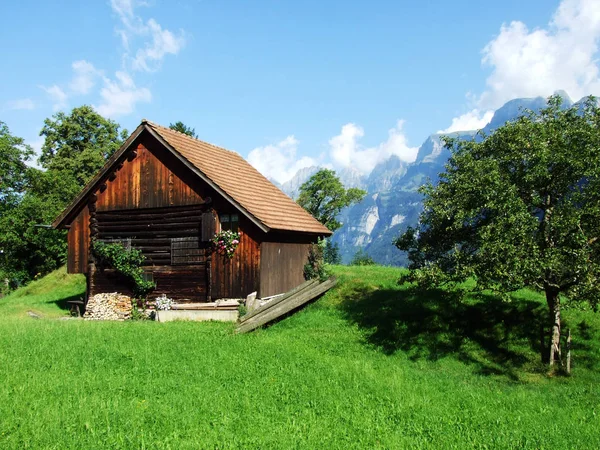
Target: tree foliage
(331, 252)
(324, 196)
(77, 145)
(520, 207)
(14, 154)
(183, 128)
(315, 267)
(362, 258)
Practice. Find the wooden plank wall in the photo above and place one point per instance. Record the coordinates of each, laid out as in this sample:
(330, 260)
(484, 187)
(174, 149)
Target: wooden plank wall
(281, 266)
(145, 182)
(151, 230)
(239, 276)
(153, 178)
(78, 240)
(182, 283)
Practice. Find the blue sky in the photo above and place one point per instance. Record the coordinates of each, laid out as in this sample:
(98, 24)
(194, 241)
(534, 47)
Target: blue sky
(290, 84)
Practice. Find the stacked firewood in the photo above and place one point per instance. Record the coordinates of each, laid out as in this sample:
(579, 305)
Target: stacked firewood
(113, 306)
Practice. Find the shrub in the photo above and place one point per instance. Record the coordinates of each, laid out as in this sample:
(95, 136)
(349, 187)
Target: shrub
(361, 258)
(127, 262)
(315, 267)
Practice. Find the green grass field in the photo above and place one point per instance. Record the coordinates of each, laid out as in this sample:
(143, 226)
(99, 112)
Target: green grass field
(369, 365)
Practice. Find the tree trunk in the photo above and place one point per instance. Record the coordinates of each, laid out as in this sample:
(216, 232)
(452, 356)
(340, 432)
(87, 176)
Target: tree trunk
(553, 301)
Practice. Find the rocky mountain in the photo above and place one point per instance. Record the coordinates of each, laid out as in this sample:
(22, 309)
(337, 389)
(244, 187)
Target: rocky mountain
(292, 187)
(393, 202)
(349, 177)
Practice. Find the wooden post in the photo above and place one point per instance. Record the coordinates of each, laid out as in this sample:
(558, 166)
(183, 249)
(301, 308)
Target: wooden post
(93, 235)
(209, 276)
(569, 351)
(251, 302)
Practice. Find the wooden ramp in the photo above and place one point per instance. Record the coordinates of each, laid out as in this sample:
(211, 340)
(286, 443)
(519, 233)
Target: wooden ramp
(307, 291)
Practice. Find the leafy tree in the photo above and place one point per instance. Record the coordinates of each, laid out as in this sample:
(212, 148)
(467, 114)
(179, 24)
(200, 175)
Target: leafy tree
(521, 207)
(183, 128)
(75, 148)
(331, 253)
(324, 196)
(77, 145)
(361, 258)
(26, 248)
(14, 154)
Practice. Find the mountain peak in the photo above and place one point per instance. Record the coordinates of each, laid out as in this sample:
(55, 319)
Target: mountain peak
(563, 94)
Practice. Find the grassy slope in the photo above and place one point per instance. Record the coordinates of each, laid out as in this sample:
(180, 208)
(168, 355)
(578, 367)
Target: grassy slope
(370, 365)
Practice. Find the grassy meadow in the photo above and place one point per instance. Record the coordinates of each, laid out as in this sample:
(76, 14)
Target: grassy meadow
(369, 365)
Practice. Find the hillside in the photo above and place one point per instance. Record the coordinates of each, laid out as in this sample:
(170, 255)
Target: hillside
(370, 365)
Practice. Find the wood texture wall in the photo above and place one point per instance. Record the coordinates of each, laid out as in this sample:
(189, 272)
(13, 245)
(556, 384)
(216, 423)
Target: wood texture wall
(239, 276)
(281, 266)
(78, 241)
(150, 177)
(147, 182)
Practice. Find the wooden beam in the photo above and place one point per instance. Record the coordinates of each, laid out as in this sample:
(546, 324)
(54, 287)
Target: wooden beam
(278, 300)
(284, 307)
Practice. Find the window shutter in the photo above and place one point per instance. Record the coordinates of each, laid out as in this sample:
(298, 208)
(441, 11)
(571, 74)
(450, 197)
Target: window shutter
(208, 226)
(185, 250)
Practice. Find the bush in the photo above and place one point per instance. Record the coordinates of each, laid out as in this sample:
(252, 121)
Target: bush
(127, 262)
(331, 253)
(315, 267)
(361, 258)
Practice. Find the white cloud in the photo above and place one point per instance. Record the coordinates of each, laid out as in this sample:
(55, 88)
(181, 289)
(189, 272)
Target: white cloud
(163, 42)
(84, 77)
(120, 96)
(472, 120)
(57, 95)
(529, 63)
(346, 151)
(124, 8)
(278, 161)
(158, 41)
(132, 23)
(21, 104)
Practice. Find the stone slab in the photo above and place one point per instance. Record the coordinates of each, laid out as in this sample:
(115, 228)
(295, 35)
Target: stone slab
(220, 315)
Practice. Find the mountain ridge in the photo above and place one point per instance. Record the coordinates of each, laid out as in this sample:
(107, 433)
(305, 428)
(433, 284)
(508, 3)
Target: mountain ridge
(393, 202)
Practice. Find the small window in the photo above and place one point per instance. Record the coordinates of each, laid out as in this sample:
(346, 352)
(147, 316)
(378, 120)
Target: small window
(148, 276)
(229, 222)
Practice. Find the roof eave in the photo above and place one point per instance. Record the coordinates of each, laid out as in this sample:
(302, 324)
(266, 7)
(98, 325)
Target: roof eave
(59, 222)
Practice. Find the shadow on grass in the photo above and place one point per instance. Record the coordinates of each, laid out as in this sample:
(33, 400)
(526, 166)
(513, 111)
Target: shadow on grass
(63, 303)
(496, 336)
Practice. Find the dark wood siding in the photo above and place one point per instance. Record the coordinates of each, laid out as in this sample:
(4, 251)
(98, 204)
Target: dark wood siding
(78, 240)
(156, 232)
(152, 230)
(281, 266)
(151, 198)
(146, 182)
(239, 276)
(182, 283)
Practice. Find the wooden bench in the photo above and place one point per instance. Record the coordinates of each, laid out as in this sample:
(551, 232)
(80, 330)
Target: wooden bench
(75, 307)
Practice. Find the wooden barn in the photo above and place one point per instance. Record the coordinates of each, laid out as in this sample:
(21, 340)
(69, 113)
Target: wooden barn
(167, 194)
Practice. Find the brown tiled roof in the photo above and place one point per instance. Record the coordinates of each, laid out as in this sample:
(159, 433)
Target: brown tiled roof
(242, 182)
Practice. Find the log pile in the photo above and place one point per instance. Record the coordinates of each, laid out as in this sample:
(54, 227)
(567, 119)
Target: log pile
(109, 306)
